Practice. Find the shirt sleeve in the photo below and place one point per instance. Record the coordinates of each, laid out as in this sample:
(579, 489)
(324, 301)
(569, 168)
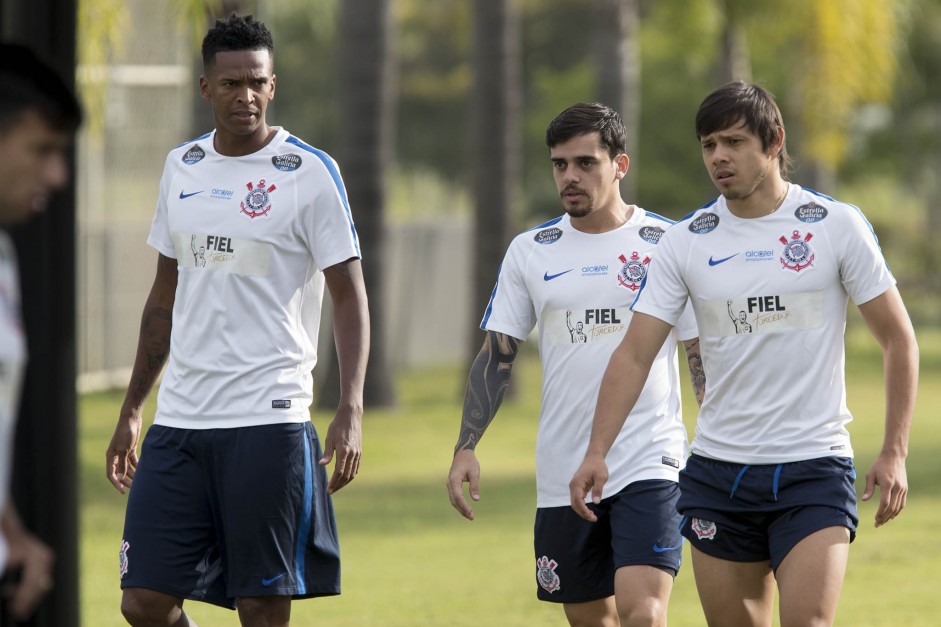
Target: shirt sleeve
(863, 270)
(160, 236)
(326, 220)
(664, 294)
(686, 327)
(510, 310)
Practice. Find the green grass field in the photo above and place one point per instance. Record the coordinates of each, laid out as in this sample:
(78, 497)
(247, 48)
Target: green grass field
(409, 560)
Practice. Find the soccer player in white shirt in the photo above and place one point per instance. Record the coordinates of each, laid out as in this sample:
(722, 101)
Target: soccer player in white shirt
(767, 494)
(230, 501)
(575, 277)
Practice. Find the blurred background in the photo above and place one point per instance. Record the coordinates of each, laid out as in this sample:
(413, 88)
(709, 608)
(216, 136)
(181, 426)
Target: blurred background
(436, 112)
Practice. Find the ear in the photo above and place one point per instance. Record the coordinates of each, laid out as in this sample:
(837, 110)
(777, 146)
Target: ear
(622, 164)
(204, 88)
(778, 144)
(274, 83)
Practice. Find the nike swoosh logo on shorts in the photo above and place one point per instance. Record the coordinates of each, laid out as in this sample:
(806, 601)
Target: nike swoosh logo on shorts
(184, 195)
(663, 549)
(549, 277)
(715, 262)
(268, 582)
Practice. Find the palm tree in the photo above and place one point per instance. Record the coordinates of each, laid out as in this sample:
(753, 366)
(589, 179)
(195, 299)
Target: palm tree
(618, 72)
(366, 106)
(495, 154)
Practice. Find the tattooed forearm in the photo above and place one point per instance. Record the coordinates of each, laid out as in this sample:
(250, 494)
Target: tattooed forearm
(486, 387)
(152, 350)
(696, 373)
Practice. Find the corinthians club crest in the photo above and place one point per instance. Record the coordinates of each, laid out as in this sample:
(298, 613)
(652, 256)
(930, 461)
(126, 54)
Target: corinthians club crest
(546, 575)
(797, 254)
(633, 272)
(257, 203)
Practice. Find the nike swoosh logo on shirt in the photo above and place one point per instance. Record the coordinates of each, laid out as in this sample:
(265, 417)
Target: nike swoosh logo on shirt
(715, 262)
(549, 277)
(184, 195)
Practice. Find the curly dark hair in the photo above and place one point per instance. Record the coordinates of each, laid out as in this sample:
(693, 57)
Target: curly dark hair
(588, 117)
(236, 32)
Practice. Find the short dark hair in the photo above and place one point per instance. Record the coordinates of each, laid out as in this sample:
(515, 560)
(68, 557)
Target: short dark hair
(588, 117)
(236, 32)
(738, 102)
(30, 84)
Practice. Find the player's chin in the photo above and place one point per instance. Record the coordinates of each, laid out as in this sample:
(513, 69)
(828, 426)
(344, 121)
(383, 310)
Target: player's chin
(577, 211)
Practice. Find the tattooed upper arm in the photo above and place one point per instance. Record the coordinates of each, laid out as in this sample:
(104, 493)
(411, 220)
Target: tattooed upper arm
(696, 373)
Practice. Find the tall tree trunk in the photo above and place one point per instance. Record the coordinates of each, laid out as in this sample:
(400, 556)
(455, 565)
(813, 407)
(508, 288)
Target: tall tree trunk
(496, 154)
(618, 66)
(366, 107)
(735, 63)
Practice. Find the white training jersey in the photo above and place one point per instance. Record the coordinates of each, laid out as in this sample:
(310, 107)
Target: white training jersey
(770, 299)
(578, 287)
(12, 366)
(251, 236)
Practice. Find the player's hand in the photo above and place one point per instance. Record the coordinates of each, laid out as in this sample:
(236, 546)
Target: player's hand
(34, 559)
(464, 469)
(887, 472)
(590, 476)
(121, 456)
(345, 441)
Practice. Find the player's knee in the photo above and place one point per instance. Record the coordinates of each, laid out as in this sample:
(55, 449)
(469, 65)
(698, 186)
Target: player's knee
(275, 610)
(146, 608)
(651, 612)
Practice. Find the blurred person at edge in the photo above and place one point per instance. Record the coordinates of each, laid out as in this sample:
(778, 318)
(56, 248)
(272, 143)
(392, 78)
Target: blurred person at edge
(39, 115)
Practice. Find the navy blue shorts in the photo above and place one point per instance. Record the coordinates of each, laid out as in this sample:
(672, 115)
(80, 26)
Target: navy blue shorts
(576, 559)
(218, 514)
(757, 513)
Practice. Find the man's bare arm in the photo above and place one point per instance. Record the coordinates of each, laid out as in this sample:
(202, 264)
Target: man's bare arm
(486, 387)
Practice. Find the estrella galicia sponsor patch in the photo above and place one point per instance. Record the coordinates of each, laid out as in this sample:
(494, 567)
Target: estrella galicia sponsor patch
(194, 155)
(286, 163)
(651, 234)
(669, 461)
(548, 236)
(705, 529)
(704, 223)
(281, 404)
(546, 575)
(811, 212)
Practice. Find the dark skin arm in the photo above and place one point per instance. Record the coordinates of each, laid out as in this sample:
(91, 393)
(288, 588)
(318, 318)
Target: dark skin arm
(351, 332)
(153, 348)
(486, 388)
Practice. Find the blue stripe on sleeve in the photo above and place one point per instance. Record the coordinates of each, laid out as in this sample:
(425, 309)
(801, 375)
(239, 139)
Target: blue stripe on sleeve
(337, 180)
